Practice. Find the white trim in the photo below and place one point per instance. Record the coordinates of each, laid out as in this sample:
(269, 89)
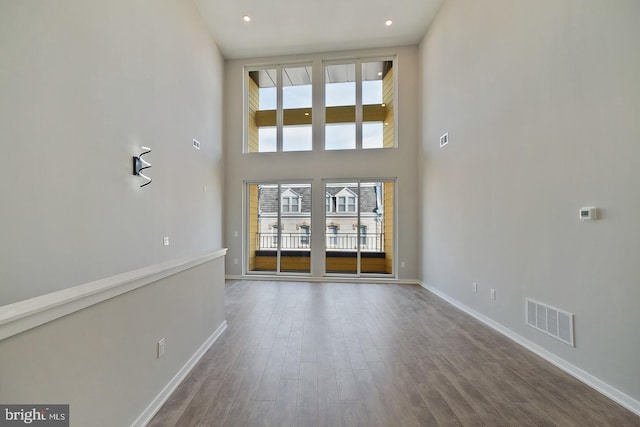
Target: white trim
(165, 393)
(24, 315)
(279, 112)
(359, 115)
(600, 386)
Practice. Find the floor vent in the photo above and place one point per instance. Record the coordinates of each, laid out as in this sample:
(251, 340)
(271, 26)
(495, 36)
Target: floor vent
(550, 320)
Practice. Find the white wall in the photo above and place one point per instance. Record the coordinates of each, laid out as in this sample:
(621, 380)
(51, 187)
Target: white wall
(541, 101)
(102, 361)
(397, 163)
(82, 86)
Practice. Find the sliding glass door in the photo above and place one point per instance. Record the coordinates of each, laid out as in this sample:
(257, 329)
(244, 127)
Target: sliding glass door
(359, 236)
(359, 227)
(279, 227)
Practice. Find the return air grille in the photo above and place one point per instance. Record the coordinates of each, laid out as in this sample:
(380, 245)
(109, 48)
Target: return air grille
(550, 320)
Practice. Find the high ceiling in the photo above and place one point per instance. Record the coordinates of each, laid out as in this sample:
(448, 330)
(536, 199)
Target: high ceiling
(283, 27)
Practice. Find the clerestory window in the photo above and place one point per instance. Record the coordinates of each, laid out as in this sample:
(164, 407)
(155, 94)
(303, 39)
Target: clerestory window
(280, 106)
(358, 105)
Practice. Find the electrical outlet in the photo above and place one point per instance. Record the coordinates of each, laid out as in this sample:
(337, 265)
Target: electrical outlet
(403, 264)
(475, 287)
(165, 241)
(235, 261)
(492, 294)
(160, 348)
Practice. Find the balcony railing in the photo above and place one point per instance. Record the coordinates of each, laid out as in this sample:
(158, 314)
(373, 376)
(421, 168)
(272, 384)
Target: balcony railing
(371, 242)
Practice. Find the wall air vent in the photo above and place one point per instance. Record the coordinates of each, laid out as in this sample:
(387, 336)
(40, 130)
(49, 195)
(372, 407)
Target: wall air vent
(444, 139)
(550, 320)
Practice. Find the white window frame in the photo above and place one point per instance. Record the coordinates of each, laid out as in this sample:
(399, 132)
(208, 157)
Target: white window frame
(275, 231)
(359, 119)
(287, 198)
(362, 235)
(279, 102)
(276, 226)
(352, 205)
(394, 243)
(305, 235)
(318, 100)
(333, 236)
(346, 194)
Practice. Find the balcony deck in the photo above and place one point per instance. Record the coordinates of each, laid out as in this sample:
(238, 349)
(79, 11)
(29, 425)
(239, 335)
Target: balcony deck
(341, 253)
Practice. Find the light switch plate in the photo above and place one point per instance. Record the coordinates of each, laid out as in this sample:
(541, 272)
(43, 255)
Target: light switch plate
(160, 348)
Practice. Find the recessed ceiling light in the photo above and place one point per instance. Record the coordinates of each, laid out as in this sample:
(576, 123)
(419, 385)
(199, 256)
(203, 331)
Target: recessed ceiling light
(379, 73)
(388, 22)
(246, 18)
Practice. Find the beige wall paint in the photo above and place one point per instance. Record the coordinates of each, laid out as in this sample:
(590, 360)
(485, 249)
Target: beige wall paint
(82, 86)
(399, 162)
(541, 101)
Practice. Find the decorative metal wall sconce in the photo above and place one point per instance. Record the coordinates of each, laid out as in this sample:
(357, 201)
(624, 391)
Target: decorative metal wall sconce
(139, 165)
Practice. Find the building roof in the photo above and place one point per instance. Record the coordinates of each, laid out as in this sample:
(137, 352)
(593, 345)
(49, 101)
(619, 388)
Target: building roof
(269, 197)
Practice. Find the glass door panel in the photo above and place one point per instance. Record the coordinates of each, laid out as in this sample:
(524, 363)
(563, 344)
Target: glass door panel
(387, 221)
(341, 232)
(372, 232)
(359, 227)
(279, 228)
(263, 230)
(295, 234)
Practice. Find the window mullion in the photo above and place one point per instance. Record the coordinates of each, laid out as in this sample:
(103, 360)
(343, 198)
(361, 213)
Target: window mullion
(317, 101)
(358, 249)
(358, 104)
(279, 110)
(279, 219)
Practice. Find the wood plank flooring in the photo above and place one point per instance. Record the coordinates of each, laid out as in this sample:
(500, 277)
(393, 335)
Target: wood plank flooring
(328, 354)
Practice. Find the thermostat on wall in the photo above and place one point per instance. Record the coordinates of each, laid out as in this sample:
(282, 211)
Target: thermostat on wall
(588, 213)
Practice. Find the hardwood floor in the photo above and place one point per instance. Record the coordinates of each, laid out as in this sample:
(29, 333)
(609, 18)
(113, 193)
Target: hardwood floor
(327, 354)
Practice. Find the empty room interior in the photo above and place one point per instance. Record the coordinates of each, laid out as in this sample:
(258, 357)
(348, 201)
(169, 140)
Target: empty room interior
(337, 213)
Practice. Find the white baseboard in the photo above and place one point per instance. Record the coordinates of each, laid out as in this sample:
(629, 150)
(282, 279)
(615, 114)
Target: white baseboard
(611, 392)
(162, 397)
(323, 279)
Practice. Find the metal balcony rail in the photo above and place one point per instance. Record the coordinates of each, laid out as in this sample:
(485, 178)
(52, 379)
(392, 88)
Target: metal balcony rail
(373, 242)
